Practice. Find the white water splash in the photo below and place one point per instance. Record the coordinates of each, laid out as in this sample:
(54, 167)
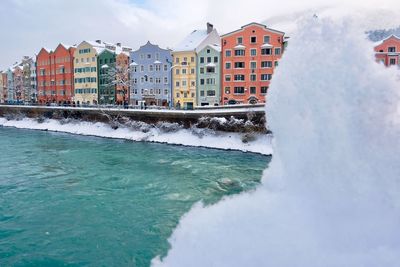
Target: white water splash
(332, 194)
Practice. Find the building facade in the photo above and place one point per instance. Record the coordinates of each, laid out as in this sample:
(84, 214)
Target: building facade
(388, 51)
(184, 74)
(10, 86)
(150, 74)
(1, 87)
(54, 70)
(34, 93)
(86, 73)
(249, 57)
(122, 75)
(18, 94)
(209, 76)
(106, 65)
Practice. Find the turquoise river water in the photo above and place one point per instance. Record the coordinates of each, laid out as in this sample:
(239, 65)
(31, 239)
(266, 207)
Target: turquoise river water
(69, 200)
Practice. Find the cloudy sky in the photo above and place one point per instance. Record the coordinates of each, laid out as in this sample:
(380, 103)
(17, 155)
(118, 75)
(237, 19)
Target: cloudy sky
(28, 25)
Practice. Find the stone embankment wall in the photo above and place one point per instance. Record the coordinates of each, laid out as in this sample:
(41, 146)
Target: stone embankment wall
(241, 119)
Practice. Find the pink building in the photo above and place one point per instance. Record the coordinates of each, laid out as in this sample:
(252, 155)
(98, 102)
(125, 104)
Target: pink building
(388, 51)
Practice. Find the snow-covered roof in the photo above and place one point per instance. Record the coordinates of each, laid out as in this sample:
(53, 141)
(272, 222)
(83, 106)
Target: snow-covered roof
(157, 62)
(211, 65)
(105, 66)
(217, 47)
(387, 38)
(253, 24)
(133, 64)
(192, 41)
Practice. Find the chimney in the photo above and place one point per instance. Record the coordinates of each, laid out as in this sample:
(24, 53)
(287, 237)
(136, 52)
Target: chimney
(98, 41)
(210, 27)
(118, 44)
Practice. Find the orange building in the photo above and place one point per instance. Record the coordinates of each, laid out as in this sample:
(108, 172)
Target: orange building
(122, 74)
(388, 51)
(249, 57)
(55, 75)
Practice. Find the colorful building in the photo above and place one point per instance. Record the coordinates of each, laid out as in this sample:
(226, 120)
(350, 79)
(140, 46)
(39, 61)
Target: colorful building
(18, 84)
(209, 76)
(106, 65)
(27, 64)
(2, 96)
(249, 57)
(150, 70)
(122, 74)
(184, 73)
(54, 69)
(388, 51)
(86, 73)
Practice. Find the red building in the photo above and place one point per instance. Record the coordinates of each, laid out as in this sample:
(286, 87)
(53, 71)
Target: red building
(55, 75)
(249, 57)
(388, 51)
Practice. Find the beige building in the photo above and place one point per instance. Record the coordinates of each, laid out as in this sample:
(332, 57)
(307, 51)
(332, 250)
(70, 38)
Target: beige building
(86, 72)
(184, 69)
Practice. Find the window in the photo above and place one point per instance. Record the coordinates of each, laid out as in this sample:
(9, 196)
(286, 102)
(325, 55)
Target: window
(141, 56)
(191, 71)
(165, 68)
(165, 91)
(202, 81)
(228, 53)
(239, 40)
(392, 49)
(210, 69)
(151, 68)
(266, 39)
(253, 52)
(227, 90)
(266, 51)
(239, 65)
(253, 90)
(266, 64)
(277, 51)
(178, 95)
(239, 77)
(253, 65)
(165, 80)
(227, 78)
(201, 59)
(177, 71)
(210, 81)
(158, 67)
(239, 52)
(208, 59)
(215, 59)
(392, 61)
(253, 39)
(183, 71)
(208, 51)
(228, 65)
(184, 83)
(266, 77)
(210, 93)
(192, 84)
(238, 90)
(192, 59)
(148, 56)
(177, 84)
(253, 77)
(201, 70)
(177, 60)
(141, 68)
(276, 63)
(201, 93)
(264, 90)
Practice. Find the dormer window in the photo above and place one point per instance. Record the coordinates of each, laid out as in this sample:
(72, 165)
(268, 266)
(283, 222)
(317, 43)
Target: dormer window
(392, 49)
(253, 39)
(239, 40)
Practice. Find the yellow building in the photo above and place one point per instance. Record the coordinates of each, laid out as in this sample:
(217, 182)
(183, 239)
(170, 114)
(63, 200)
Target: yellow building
(184, 69)
(85, 72)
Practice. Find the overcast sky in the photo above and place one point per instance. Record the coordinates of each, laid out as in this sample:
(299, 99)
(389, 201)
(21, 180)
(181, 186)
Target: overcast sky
(28, 25)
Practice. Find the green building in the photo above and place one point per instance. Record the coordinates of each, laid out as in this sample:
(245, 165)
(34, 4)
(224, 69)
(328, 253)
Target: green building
(209, 76)
(106, 65)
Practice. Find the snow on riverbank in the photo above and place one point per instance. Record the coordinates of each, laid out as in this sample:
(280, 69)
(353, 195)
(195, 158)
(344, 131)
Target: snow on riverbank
(255, 143)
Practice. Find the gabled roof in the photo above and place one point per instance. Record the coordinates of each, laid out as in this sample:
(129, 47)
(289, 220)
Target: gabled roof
(192, 41)
(252, 24)
(389, 37)
(216, 47)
